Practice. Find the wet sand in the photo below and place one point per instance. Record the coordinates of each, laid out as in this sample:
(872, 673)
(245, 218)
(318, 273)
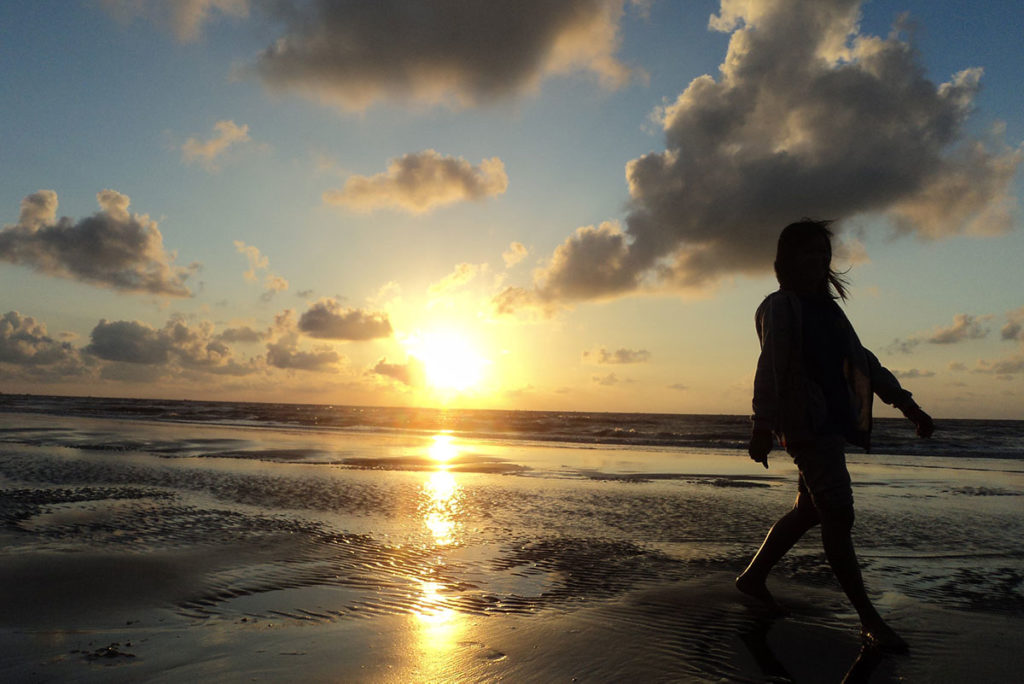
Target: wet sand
(133, 552)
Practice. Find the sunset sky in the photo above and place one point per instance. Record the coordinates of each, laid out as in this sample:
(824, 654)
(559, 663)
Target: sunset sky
(526, 204)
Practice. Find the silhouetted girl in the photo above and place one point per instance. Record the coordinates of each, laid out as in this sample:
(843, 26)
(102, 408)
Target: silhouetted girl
(813, 389)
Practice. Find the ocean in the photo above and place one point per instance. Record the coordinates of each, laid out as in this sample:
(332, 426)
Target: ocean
(954, 437)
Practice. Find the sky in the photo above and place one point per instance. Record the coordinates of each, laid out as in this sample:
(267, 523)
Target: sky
(518, 205)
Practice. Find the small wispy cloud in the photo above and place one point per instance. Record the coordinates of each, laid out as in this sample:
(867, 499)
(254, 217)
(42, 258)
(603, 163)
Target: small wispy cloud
(226, 134)
(460, 276)
(272, 283)
(964, 327)
(912, 373)
(410, 373)
(185, 18)
(515, 253)
(619, 356)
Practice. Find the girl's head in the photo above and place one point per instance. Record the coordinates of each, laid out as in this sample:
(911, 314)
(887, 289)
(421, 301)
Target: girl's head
(803, 260)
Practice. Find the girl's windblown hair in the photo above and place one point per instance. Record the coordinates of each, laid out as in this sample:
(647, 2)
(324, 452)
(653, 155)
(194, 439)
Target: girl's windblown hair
(791, 256)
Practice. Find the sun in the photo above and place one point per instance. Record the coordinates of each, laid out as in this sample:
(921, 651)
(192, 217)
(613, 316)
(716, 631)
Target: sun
(450, 361)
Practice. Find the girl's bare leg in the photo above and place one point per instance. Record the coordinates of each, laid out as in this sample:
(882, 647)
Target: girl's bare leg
(838, 543)
(780, 539)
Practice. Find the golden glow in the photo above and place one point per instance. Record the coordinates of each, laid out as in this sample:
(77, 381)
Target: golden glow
(440, 630)
(441, 503)
(439, 626)
(450, 361)
(442, 449)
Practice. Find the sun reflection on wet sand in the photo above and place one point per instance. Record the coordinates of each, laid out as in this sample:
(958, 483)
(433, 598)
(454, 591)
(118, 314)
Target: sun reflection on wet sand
(438, 626)
(442, 503)
(439, 629)
(441, 497)
(443, 448)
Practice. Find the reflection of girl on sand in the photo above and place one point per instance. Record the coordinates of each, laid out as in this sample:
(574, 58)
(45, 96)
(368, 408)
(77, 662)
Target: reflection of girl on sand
(813, 389)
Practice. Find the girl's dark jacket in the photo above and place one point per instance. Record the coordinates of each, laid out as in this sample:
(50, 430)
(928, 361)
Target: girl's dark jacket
(791, 405)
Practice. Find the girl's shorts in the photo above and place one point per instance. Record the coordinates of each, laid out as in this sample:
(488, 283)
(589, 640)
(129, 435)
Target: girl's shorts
(823, 473)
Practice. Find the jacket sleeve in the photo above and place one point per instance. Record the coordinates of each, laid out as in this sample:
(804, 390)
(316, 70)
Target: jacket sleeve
(772, 327)
(886, 386)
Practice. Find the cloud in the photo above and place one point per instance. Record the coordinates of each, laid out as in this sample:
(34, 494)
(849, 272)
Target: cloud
(353, 54)
(606, 380)
(256, 260)
(327, 320)
(242, 334)
(129, 341)
(283, 349)
(808, 117)
(27, 348)
(913, 373)
(225, 134)
(273, 283)
(619, 356)
(179, 345)
(589, 264)
(420, 181)
(388, 295)
(409, 373)
(957, 366)
(679, 387)
(184, 17)
(462, 274)
(965, 327)
(1008, 366)
(112, 248)
(898, 346)
(120, 371)
(1014, 327)
(284, 353)
(515, 253)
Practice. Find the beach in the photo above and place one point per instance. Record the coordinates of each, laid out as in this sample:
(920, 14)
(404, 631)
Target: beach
(146, 550)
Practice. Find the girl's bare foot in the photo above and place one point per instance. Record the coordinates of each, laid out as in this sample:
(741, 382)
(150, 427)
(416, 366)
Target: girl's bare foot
(882, 637)
(755, 588)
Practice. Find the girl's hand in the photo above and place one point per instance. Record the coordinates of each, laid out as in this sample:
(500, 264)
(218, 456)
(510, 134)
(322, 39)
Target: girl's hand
(925, 424)
(760, 445)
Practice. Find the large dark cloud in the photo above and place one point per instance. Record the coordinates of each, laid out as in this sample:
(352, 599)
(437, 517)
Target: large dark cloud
(808, 117)
(112, 248)
(328, 320)
(353, 53)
